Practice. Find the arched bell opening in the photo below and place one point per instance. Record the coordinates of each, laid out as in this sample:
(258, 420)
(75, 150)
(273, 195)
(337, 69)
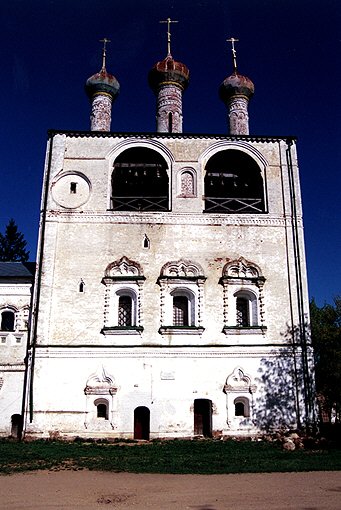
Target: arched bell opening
(140, 181)
(233, 184)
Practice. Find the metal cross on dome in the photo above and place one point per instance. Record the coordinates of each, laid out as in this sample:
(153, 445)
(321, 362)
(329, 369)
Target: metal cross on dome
(168, 21)
(232, 40)
(104, 41)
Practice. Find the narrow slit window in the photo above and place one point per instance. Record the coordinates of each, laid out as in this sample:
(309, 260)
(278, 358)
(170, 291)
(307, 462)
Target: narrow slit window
(73, 188)
(81, 286)
(146, 242)
(170, 122)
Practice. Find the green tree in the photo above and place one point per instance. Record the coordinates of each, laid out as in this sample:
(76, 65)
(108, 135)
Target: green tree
(13, 244)
(326, 338)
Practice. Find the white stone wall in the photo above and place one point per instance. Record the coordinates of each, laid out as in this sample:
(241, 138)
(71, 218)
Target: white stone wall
(82, 237)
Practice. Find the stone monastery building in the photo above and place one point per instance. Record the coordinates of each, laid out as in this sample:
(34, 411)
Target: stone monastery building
(170, 297)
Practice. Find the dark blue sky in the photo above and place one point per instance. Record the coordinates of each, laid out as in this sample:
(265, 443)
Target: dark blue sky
(289, 48)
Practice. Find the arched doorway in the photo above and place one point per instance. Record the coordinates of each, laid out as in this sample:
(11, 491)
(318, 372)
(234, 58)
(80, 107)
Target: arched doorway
(16, 425)
(203, 417)
(141, 423)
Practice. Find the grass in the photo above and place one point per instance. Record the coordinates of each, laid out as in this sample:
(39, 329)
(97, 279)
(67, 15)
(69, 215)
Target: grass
(177, 456)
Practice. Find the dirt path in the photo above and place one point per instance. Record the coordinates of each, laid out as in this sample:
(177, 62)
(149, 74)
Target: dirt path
(89, 490)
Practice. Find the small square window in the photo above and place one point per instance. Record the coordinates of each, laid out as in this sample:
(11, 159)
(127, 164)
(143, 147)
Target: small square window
(18, 339)
(3, 339)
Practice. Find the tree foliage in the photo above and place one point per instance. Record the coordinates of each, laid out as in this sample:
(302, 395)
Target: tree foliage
(326, 338)
(13, 244)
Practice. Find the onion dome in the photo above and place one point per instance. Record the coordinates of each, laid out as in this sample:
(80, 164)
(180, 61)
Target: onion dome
(102, 83)
(236, 85)
(168, 71)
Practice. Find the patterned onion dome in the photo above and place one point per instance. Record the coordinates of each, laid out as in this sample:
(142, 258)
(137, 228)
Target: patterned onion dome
(168, 71)
(102, 82)
(236, 85)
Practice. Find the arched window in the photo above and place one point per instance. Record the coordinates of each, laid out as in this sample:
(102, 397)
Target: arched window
(181, 284)
(140, 181)
(102, 411)
(125, 309)
(246, 309)
(7, 320)
(242, 407)
(102, 408)
(233, 184)
(180, 311)
(243, 285)
(123, 281)
(187, 184)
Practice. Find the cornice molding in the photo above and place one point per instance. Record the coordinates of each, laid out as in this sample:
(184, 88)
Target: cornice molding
(169, 218)
(225, 352)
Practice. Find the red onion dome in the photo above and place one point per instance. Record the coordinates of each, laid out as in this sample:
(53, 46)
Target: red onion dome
(168, 71)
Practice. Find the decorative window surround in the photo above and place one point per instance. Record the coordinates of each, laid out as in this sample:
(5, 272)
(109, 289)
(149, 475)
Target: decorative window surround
(239, 389)
(100, 388)
(181, 278)
(123, 278)
(243, 279)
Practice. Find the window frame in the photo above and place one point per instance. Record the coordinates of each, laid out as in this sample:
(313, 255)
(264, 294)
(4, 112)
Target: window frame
(181, 278)
(246, 407)
(7, 310)
(242, 279)
(102, 402)
(123, 278)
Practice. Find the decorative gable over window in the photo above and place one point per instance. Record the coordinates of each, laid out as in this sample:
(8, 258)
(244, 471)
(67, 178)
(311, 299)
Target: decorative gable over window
(100, 383)
(239, 382)
(123, 268)
(241, 268)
